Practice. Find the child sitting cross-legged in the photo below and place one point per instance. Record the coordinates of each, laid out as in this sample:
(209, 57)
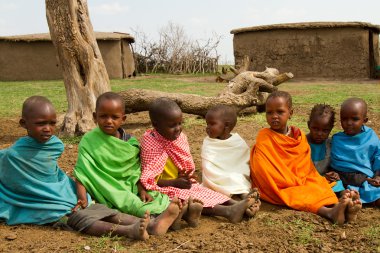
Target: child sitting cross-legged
(282, 169)
(225, 156)
(34, 190)
(321, 122)
(167, 166)
(108, 167)
(355, 152)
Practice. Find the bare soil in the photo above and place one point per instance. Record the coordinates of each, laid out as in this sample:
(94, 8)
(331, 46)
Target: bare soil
(274, 229)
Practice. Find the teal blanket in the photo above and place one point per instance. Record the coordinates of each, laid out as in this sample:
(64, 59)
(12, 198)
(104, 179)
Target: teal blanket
(33, 189)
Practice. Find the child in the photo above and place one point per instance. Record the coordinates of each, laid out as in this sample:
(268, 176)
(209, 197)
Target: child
(167, 165)
(225, 156)
(355, 153)
(282, 169)
(108, 167)
(321, 122)
(34, 190)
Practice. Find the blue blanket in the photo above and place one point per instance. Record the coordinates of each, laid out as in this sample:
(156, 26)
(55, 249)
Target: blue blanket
(33, 189)
(358, 154)
(320, 155)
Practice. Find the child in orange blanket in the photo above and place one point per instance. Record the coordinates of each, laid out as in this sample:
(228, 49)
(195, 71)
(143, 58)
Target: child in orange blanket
(168, 167)
(282, 169)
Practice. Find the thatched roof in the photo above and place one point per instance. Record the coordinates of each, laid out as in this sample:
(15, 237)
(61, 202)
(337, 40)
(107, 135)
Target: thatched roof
(46, 37)
(307, 25)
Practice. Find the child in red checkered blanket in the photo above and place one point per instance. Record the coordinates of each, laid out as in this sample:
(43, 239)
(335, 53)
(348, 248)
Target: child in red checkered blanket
(168, 167)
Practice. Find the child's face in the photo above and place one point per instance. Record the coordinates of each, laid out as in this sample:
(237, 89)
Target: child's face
(109, 116)
(278, 113)
(352, 118)
(40, 125)
(320, 128)
(216, 127)
(170, 125)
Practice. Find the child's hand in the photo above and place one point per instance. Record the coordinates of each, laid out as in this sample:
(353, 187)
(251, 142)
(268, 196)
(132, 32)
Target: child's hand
(188, 175)
(374, 181)
(182, 183)
(145, 197)
(81, 204)
(332, 176)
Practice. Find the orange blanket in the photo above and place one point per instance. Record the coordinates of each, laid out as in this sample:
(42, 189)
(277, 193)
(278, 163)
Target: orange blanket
(282, 170)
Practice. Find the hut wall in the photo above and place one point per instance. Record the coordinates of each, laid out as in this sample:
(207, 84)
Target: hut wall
(320, 52)
(28, 61)
(128, 61)
(111, 54)
(37, 60)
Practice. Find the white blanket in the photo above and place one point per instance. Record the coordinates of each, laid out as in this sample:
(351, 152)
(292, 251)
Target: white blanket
(225, 165)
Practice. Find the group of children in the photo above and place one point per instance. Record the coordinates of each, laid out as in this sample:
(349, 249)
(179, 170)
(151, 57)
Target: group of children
(149, 189)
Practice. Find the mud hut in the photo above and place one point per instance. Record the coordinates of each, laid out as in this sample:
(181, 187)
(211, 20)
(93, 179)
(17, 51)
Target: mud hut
(33, 57)
(332, 50)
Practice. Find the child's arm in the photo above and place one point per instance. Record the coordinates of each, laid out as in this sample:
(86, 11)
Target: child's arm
(144, 196)
(81, 195)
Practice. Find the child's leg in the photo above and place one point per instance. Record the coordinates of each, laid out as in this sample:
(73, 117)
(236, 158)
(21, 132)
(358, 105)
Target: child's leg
(234, 213)
(336, 214)
(135, 230)
(377, 203)
(161, 223)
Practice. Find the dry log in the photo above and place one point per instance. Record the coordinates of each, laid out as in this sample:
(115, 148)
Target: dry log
(245, 90)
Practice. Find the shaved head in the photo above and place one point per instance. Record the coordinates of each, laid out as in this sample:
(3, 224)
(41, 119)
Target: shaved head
(161, 107)
(36, 104)
(354, 102)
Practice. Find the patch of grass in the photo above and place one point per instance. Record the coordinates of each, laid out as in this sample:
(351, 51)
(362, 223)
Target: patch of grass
(71, 140)
(373, 233)
(305, 233)
(105, 243)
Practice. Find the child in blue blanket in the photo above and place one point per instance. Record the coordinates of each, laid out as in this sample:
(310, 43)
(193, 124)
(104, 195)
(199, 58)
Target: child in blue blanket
(34, 190)
(321, 122)
(355, 152)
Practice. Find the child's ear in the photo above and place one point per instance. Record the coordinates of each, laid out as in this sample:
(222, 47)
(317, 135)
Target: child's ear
(291, 113)
(22, 123)
(124, 117)
(365, 119)
(308, 124)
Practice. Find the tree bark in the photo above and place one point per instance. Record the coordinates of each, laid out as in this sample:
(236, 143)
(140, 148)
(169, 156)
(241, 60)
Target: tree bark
(244, 91)
(84, 73)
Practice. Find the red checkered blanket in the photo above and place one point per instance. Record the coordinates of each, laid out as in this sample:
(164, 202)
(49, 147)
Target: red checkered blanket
(155, 150)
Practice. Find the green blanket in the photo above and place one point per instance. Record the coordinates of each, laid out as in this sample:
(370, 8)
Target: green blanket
(109, 168)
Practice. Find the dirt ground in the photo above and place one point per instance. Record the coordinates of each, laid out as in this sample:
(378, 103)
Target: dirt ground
(274, 229)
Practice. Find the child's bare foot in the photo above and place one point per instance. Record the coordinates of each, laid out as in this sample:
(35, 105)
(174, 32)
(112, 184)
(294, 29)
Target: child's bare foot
(338, 211)
(253, 209)
(139, 231)
(353, 208)
(194, 212)
(177, 223)
(254, 193)
(236, 212)
(161, 223)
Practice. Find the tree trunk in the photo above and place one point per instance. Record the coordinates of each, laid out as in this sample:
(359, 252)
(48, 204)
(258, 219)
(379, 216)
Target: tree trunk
(84, 73)
(244, 91)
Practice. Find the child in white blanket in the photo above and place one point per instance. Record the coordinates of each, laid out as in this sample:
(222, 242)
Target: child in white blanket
(225, 155)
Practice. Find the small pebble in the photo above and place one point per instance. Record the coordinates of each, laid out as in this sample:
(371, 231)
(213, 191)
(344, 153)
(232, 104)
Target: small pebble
(343, 235)
(70, 146)
(11, 237)
(87, 247)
